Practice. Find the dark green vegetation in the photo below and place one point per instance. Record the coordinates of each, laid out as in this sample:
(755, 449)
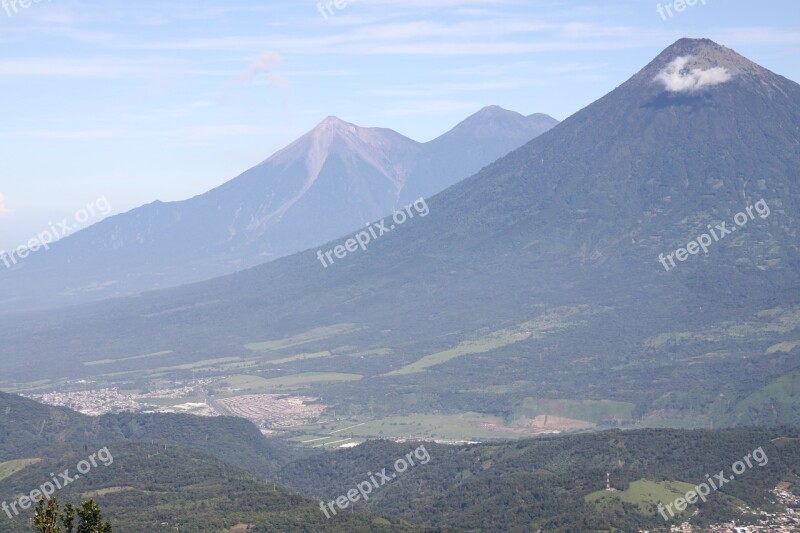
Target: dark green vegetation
(557, 242)
(27, 428)
(48, 517)
(177, 478)
(199, 474)
(150, 488)
(544, 483)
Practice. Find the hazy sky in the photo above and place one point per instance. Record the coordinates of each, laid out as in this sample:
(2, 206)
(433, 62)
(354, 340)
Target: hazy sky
(137, 101)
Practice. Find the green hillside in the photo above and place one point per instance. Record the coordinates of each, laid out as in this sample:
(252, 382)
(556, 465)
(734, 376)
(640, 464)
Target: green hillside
(148, 488)
(557, 483)
(553, 483)
(28, 427)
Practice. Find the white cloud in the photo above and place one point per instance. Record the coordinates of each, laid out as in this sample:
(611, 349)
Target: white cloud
(677, 77)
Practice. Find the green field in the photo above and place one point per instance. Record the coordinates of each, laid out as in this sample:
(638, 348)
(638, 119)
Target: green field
(9, 468)
(247, 383)
(588, 410)
(643, 493)
(496, 340)
(30, 386)
(785, 347)
(316, 334)
(93, 494)
(219, 364)
(379, 352)
(536, 329)
(784, 321)
(133, 358)
(300, 357)
(452, 428)
(779, 398)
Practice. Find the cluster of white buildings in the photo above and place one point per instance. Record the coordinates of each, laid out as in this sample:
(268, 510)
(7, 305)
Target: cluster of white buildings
(110, 400)
(274, 411)
(91, 402)
(269, 411)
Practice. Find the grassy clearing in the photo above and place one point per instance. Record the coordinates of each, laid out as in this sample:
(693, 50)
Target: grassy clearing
(102, 492)
(300, 357)
(486, 344)
(644, 494)
(244, 382)
(379, 352)
(13, 387)
(785, 347)
(457, 427)
(259, 384)
(133, 358)
(766, 324)
(236, 366)
(588, 410)
(445, 427)
(316, 334)
(205, 363)
(219, 364)
(547, 323)
(9, 468)
(781, 395)
(782, 322)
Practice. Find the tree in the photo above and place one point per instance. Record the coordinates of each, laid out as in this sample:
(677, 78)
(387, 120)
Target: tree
(47, 516)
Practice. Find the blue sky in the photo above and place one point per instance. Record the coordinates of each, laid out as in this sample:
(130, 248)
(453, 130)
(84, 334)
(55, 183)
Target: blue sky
(137, 101)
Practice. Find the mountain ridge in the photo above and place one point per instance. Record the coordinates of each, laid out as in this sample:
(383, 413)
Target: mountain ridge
(330, 181)
(550, 251)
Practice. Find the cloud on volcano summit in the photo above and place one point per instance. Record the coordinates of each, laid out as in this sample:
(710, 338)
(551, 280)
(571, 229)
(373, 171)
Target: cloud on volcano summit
(677, 77)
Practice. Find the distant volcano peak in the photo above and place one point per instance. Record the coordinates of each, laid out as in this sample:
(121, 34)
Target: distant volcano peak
(697, 65)
(495, 110)
(700, 55)
(335, 124)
